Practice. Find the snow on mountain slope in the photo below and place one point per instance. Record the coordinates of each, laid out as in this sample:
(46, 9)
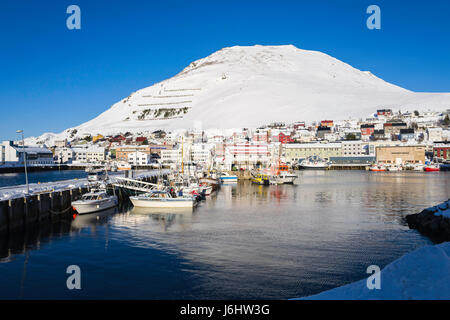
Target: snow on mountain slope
(250, 86)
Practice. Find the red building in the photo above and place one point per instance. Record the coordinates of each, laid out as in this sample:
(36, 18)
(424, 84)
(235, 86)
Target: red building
(326, 123)
(442, 151)
(384, 112)
(367, 129)
(283, 138)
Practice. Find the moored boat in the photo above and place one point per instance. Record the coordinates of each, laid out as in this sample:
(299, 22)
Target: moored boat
(225, 177)
(94, 201)
(162, 199)
(261, 179)
(314, 163)
(432, 168)
(377, 168)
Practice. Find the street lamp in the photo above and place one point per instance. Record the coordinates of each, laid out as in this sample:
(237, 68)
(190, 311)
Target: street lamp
(25, 160)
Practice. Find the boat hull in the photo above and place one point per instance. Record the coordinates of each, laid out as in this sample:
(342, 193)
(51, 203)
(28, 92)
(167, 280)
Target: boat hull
(94, 206)
(162, 203)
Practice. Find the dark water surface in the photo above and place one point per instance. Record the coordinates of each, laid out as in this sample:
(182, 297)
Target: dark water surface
(247, 242)
(14, 179)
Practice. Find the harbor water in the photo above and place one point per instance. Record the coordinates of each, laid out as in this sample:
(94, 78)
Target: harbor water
(245, 242)
(14, 179)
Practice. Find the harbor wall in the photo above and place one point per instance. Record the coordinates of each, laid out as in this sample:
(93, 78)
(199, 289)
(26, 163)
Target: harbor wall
(19, 212)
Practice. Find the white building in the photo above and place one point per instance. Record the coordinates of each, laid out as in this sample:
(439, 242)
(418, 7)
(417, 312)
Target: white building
(171, 156)
(247, 155)
(353, 148)
(139, 158)
(202, 153)
(12, 154)
(88, 155)
(434, 134)
(64, 155)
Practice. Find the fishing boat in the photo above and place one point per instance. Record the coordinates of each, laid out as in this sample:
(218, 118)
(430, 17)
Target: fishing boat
(225, 177)
(377, 168)
(162, 199)
(314, 163)
(95, 201)
(261, 179)
(394, 168)
(432, 167)
(280, 174)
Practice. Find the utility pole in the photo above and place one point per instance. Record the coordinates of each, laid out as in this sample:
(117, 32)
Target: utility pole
(24, 160)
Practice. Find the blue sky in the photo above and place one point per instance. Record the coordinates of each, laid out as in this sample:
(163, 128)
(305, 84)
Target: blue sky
(54, 78)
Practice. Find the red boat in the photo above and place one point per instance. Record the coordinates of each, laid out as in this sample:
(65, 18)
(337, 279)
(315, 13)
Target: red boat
(432, 168)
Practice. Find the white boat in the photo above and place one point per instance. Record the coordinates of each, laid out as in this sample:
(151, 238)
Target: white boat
(162, 199)
(394, 168)
(225, 177)
(123, 166)
(94, 201)
(96, 175)
(314, 163)
(280, 174)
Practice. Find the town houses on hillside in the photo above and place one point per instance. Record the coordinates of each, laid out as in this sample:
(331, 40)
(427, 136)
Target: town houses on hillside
(383, 136)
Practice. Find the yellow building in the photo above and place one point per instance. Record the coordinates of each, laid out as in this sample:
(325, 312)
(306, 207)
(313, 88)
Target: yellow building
(97, 137)
(400, 154)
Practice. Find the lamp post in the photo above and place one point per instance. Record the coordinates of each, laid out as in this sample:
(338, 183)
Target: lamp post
(24, 160)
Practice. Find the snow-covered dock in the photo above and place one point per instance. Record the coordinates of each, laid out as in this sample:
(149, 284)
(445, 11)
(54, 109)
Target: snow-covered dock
(46, 200)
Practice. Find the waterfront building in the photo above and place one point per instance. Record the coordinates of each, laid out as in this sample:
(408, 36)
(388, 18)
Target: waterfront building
(85, 154)
(172, 156)
(64, 155)
(123, 152)
(13, 154)
(247, 155)
(353, 148)
(441, 151)
(294, 152)
(400, 154)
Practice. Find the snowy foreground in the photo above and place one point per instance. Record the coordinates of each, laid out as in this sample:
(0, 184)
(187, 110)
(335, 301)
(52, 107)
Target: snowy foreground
(423, 274)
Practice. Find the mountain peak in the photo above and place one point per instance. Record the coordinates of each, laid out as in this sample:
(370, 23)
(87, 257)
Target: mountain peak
(247, 86)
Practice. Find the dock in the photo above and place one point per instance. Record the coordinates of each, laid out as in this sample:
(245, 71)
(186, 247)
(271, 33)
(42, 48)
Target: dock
(53, 200)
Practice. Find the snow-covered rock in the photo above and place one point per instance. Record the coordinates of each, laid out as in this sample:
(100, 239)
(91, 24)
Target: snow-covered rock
(249, 86)
(423, 274)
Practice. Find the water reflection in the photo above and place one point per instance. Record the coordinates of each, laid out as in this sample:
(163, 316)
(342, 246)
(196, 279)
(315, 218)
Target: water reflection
(247, 241)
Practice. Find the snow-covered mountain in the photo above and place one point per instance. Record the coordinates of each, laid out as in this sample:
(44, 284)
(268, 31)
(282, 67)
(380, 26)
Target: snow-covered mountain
(249, 86)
